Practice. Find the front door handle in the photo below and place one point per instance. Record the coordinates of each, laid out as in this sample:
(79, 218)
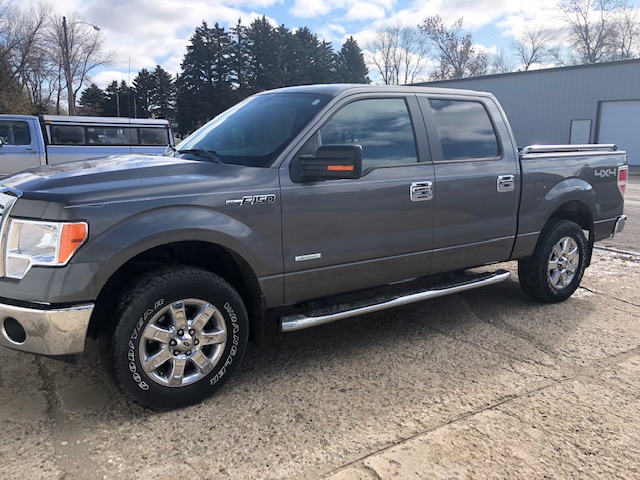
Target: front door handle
(29, 150)
(421, 191)
(506, 183)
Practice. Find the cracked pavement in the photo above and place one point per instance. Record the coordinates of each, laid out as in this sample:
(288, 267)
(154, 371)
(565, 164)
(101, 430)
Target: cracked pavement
(487, 383)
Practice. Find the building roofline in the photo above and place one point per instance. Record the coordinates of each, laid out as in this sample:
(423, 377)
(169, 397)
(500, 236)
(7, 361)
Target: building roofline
(533, 72)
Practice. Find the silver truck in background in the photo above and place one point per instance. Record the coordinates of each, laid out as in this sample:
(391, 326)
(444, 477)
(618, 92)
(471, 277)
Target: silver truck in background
(28, 141)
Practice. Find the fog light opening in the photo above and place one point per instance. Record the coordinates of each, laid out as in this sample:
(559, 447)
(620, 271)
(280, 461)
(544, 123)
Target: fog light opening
(14, 331)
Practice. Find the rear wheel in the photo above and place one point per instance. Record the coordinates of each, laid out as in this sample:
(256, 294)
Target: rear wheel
(555, 269)
(180, 333)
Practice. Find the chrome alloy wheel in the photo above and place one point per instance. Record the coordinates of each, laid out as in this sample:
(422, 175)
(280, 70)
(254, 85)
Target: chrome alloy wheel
(183, 342)
(563, 263)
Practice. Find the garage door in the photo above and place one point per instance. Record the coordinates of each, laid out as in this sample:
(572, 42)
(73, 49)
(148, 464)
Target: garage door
(620, 124)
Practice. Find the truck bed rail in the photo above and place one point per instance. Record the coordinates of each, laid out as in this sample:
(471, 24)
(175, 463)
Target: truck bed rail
(589, 148)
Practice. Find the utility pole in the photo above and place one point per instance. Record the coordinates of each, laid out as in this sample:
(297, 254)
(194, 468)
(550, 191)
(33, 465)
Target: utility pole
(67, 61)
(67, 67)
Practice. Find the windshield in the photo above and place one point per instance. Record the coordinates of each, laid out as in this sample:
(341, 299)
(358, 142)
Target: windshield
(255, 131)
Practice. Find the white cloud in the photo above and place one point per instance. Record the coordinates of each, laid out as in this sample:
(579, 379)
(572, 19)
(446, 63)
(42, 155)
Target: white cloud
(105, 77)
(365, 11)
(307, 9)
(143, 33)
(332, 32)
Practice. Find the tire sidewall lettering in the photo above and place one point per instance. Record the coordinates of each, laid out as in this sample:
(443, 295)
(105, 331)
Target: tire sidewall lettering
(133, 343)
(233, 318)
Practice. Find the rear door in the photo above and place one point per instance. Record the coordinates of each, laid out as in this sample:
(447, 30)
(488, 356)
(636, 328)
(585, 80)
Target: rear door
(477, 183)
(346, 235)
(21, 147)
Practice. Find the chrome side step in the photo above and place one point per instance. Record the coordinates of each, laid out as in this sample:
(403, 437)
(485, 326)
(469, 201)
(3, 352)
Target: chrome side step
(299, 322)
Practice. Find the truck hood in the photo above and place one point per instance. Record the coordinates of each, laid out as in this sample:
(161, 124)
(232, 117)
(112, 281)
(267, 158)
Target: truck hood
(118, 177)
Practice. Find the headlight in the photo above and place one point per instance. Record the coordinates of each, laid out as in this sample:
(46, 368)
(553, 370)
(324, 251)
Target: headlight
(47, 244)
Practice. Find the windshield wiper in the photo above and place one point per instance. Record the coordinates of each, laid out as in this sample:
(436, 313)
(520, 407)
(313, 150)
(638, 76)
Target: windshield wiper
(210, 154)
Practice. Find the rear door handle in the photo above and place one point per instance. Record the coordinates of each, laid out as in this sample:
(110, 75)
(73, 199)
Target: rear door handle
(29, 150)
(506, 183)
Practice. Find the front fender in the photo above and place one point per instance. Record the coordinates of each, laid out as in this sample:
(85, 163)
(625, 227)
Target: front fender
(259, 246)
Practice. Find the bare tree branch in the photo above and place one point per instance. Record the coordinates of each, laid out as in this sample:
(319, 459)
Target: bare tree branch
(501, 63)
(457, 56)
(593, 27)
(86, 53)
(533, 47)
(397, 53)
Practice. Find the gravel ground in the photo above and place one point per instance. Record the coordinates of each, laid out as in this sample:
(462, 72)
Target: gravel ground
(483, 384)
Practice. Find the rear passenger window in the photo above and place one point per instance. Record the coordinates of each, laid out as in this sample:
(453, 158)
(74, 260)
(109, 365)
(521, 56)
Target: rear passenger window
(381, 126)
(465, 129)
(15, 133)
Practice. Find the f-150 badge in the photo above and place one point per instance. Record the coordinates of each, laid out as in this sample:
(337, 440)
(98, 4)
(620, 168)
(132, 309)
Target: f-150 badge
(253, 200)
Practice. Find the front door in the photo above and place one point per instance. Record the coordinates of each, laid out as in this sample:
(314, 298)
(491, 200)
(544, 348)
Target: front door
(19, 149)
(346, 235)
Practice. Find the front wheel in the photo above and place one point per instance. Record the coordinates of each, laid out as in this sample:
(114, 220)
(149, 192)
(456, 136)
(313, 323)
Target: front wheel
(555, 269)
(180, 333)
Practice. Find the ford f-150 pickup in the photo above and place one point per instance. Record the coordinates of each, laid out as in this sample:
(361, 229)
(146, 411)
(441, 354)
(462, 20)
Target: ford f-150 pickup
(294, 208)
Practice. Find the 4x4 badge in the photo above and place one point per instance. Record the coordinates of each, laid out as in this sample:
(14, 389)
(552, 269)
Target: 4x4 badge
(253, 200)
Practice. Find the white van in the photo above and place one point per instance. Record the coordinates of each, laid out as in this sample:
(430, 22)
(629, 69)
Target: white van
(27, 141)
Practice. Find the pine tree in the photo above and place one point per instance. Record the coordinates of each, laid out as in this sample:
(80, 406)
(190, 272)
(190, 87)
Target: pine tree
(266, 50)
(92, 101)
(206, 81)
(143, 86)
(315, 62)
(118, 100)
(163, 95)
(239, 61)
(351, 65)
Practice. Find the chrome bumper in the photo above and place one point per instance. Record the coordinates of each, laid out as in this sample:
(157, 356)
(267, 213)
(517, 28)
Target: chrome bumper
(620, 223)
(45, 332)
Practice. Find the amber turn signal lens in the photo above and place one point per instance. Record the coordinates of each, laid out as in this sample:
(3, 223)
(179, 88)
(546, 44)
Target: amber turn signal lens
(73, 235)
(340, 168)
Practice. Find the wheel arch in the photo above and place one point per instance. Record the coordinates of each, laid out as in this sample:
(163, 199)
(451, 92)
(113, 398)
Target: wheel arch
(580, 213)
(213, 257)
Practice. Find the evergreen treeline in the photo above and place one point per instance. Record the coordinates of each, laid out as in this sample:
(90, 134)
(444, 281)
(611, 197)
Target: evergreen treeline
(222, 67)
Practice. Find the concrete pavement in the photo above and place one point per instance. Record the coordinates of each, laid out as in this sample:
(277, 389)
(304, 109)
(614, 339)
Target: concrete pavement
(482, 384)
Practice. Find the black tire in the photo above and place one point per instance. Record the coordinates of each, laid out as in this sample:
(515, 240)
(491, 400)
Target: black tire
(541, 276)
(151, 316)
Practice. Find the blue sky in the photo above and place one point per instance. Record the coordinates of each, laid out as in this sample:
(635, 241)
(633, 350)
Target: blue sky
(143, 33)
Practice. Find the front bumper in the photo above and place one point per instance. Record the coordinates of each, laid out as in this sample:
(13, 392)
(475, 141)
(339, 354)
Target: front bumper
(45, 331)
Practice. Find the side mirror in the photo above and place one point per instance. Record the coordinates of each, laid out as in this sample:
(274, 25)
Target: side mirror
(332, 162)
(1, 141)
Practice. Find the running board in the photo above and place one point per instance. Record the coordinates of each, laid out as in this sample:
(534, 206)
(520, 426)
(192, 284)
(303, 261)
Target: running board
(291, 323)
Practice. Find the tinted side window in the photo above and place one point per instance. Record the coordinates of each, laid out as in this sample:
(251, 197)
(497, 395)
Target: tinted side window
(67, 135)
(465, 129)
(382, 126)
(15, 133)
(112, 136)
(154, 136)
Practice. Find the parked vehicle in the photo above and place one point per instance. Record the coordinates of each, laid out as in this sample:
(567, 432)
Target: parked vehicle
(27, 141)
(301, 205)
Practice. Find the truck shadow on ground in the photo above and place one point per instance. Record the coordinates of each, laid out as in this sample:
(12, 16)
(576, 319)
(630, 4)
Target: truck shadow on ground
(437, 336)
(475, 335)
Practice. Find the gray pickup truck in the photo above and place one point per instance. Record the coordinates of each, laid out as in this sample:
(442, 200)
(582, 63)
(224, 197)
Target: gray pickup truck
(296, 207)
